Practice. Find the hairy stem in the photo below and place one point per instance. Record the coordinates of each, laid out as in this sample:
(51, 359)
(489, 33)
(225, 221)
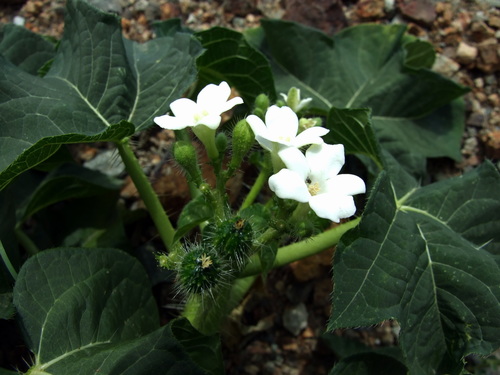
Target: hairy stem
(302, 249)
(148, 195)
(256, 188)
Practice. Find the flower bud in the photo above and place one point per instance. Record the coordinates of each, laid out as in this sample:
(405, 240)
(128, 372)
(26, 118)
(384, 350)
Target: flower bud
(306, 123)
(185, 155)
(233, 240)
(261, 104)
(243, 140)
(294, 101)
(221, 142)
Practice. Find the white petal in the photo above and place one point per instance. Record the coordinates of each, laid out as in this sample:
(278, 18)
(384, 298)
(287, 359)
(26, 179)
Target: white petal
(333, 207)
(345, 184)
(257, 125)
(170, 122)
(325, 160)
(212, 97)
(288, 184)
(184, 108)
(295, 160)
(303, 103)
(211, 121)
(310, 136)
(282, 123)
(231, 103)
(265, 143)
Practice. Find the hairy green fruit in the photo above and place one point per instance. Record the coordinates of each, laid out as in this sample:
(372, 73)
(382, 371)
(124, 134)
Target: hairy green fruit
(200, 271)
(233, 241)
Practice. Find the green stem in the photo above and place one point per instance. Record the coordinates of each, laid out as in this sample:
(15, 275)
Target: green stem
(302, 249)
(26, 241)
(148, 195)
(6, 261)
(256, 188)
(208, 315)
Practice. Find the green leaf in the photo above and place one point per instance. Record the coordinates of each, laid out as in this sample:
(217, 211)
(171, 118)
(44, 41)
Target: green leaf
(353, 129)
(419, 54)
(230, 57)
(364, 67)
(7, 310)
(25, 49)
(369, 363)
(98, 85)
(426, 257)
(193, 214)
(68, 181)
(101, 300)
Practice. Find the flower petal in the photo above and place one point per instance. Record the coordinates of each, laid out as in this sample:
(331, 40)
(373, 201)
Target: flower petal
(345, 184)
(333, 207)
(288, 184)
(212, 97)
(325, 160)
(282, 124)
(231, 103)
(310, 136)
(295, 160)
(170, 122)
(184, 109)
(211, 121)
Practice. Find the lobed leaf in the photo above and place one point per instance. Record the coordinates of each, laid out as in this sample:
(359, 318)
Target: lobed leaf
(87, 311)
(369, 66)
(100, 87)
(426, 257)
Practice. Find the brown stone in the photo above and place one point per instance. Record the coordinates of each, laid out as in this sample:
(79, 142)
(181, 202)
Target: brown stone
(466, 53)
(418, 10)
(489, 59)
(492, 145)
(169, 10)
(479, 31)
(326, 15)
(367, 9)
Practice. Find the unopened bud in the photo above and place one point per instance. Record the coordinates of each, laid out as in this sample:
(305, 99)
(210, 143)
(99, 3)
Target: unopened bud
(185, 155)
(243, 140)
(221, 142)
(261, 104)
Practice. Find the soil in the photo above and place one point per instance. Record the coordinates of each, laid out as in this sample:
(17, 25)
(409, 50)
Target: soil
(277, 329)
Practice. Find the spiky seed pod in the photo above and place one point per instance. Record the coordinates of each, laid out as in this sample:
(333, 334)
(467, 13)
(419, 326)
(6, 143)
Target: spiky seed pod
(200, 271)
(233, 240)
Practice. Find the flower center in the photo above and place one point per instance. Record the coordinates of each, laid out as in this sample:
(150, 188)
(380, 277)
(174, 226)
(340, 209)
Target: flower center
(205, 261)
(285, 139)
(313, 188)
(200, 115)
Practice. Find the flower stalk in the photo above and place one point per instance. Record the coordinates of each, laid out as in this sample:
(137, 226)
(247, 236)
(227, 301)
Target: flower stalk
(148, 195)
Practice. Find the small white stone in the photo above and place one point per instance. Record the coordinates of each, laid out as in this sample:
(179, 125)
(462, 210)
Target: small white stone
(18, 20)
(466, 53)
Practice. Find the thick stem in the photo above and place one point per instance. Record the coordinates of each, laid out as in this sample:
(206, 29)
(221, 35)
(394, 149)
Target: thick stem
(148, 195)
(302, 249)
(6, 261)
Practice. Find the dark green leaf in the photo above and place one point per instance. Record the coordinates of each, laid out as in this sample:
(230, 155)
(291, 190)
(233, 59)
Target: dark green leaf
(98, 84)
(229, 57)
(193, 214)
(425, 257)
(364, 67)
(353, 129)
(27, 50)
(68, 181)
(6, 307)
(204, 350)
(370, 363)
(101, 300)
(419, 54)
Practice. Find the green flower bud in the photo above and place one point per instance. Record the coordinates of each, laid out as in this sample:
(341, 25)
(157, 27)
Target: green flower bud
(243, 140)
(261, 104)
(294, 101)
(306, 123)
(233, 240)
(200, 271)
(185, 155)
(221, 142)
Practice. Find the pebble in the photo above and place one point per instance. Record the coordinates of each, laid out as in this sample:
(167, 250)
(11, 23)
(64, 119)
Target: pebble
(466, 53)
(295, 318)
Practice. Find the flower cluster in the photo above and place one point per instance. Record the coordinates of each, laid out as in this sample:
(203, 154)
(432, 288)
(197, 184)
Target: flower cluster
(311, 177)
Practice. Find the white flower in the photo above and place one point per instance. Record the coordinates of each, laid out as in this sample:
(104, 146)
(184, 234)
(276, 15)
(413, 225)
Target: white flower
(314, 178)
(293, 100)
(280, 130)
(210, 104)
